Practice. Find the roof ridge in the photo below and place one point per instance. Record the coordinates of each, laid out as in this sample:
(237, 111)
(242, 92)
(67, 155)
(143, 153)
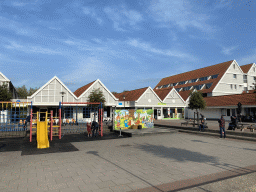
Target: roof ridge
(199, 68)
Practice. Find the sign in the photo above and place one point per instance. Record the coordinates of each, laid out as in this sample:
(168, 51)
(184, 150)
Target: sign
(161, 104)
(120, 103)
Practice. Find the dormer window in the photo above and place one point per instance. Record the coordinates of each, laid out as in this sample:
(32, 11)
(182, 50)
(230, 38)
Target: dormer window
(164, 86)
(214, 76)
(182, 82)
(234, 66)
(208, 85)
(192, 80)
(178, 89)
(187, 88)
(203, 78)
(198, 87)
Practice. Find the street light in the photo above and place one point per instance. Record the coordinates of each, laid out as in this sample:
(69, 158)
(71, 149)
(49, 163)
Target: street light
(62, 93)
(124, 106)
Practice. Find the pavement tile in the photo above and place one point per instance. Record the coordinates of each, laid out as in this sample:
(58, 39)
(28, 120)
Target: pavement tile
(121, 188)
(107, 178)
(76, 183)
(138, 185)
(88, 187)
(121, 181)
(70, 189)
(105, 184)
(57, 186)
(63, 180)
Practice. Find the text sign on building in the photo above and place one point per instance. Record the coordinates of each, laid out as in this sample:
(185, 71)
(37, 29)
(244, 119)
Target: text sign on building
(161, 104)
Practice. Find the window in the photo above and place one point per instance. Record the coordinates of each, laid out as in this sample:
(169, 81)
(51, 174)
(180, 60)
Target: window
(159, 87)
(234, 66)
(233, 112)
(204, 94)
(215, 76)
(187, 88)
(253, 69)
(198, 87)
(182, 82)
(228, 112)
(68, 112)
(234, 76)
(245, 78)
(86, 112)
(231, 86)
(245, 89)
(223, 112)
(192, 80)
(174, 84)
(164, 86)
(254, 78)
(235, 86)
(178, 89)
(203, 78)
(208, 85)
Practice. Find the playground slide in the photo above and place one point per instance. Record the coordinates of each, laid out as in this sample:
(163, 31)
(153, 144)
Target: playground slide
(42, 135)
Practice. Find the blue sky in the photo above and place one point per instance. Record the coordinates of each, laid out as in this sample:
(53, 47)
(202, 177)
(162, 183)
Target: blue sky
(126, 44)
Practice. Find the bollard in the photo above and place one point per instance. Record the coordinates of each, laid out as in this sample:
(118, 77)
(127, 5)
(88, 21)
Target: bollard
(120, 133)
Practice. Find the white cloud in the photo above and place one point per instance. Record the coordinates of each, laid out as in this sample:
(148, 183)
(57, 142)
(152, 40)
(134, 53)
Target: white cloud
(228, 50)
(91, 12)
(148, 47)
(31, 48)
(179, 13)
(122, 17)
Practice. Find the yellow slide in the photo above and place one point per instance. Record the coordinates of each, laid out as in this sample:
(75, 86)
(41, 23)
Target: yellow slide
(42, 135)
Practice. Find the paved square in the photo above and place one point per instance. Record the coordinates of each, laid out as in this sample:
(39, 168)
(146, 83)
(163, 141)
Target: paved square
(175, 161)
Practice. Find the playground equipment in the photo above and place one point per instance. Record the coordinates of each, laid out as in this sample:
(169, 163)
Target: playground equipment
(13, 119)
(76, 115)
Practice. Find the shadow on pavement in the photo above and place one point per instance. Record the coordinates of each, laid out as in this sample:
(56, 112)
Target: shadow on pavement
(56, 145)
(176, 153)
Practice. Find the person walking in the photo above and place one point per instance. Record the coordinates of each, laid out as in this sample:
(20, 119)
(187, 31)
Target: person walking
(222, 126)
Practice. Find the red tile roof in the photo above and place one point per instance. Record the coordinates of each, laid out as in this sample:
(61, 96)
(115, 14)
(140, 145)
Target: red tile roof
(231, 100)
(185, 94)
(81, 90)
(246, 68)
(133, 95)
(162, 93)
(219, 69)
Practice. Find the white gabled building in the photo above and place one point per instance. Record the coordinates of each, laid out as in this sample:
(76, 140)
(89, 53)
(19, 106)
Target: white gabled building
(222, 79)
(49, 96)
(6, 81)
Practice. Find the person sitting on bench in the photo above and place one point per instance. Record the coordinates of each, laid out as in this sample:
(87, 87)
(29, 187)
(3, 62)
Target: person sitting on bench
(201, 126)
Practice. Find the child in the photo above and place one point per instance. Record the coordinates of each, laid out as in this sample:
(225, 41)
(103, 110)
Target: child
(89, 129)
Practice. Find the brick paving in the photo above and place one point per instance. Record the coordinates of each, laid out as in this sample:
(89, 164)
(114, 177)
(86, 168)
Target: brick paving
(170, 162)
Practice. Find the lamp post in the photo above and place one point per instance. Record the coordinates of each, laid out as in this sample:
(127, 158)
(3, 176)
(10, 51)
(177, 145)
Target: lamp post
(124, 100)
(62, 93)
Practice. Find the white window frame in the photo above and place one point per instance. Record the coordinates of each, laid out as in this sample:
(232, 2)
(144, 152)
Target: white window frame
(234, 76)
(231, 86)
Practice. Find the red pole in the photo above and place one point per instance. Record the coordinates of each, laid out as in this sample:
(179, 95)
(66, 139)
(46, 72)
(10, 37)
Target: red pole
(51, 124)
(31, 120)
(60, 123)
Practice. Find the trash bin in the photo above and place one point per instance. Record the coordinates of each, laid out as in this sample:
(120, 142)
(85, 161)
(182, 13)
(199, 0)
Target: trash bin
(139, 127)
